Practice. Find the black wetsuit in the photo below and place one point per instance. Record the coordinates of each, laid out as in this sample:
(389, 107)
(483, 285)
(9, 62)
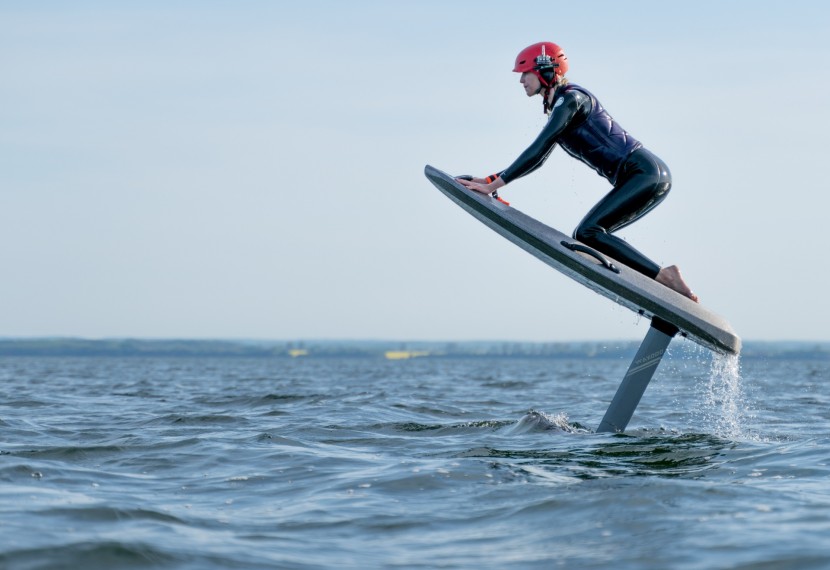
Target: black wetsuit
(581, 126)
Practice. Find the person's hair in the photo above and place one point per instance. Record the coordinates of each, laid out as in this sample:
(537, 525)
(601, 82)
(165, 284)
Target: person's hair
(560, 82)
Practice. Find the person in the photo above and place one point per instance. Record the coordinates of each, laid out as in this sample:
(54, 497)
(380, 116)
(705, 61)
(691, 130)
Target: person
(580, 124)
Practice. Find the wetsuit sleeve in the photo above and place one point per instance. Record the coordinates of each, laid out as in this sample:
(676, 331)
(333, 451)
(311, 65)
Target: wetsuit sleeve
(568, 108)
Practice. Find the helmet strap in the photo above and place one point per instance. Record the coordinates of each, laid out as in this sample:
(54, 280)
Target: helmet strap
(544, 89)
(545, 71)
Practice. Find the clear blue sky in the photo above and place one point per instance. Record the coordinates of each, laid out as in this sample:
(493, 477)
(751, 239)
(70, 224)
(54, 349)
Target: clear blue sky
(254, 169)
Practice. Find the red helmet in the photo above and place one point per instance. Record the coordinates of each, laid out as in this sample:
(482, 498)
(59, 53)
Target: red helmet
(545, 59)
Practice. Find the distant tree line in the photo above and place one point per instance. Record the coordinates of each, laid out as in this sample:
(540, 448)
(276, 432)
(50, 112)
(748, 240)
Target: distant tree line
(75, 347)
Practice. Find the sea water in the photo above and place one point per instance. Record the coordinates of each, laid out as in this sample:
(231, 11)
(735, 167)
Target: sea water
(420, 463)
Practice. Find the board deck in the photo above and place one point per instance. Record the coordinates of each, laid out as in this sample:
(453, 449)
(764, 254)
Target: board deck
(596, 271)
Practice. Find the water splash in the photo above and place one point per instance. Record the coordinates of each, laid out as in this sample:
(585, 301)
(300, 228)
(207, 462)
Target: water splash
(725, 399)
(535, 421)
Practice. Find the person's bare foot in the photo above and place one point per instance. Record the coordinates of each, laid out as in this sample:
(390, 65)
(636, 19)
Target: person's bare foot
(671, 278)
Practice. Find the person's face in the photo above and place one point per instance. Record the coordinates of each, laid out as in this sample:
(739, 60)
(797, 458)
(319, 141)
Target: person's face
(531, 83)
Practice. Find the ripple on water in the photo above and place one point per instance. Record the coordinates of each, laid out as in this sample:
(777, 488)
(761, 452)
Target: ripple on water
(238, 464)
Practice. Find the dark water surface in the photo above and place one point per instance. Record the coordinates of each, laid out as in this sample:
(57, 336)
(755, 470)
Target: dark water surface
(422, 463)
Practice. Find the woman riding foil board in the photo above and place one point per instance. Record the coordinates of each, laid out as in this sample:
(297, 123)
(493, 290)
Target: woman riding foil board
(580, 125)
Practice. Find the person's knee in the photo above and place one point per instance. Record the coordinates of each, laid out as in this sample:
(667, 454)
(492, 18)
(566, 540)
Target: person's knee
(587, 233)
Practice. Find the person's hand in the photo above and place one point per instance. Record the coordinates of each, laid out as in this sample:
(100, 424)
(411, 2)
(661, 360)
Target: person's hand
(480, 185)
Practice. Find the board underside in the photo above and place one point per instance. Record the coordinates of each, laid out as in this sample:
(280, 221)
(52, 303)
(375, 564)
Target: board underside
(626, 287)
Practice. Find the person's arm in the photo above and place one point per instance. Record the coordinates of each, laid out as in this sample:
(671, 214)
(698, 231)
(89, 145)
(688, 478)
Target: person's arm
(565, 110)
(572, 105)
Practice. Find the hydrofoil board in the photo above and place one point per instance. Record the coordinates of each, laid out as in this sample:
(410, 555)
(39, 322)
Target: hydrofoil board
(596, 271)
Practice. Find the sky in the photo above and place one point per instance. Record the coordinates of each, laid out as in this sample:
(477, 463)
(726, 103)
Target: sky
(254, 170)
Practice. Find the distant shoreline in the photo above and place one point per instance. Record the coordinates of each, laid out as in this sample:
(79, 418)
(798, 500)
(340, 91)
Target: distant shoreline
(390, 350)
